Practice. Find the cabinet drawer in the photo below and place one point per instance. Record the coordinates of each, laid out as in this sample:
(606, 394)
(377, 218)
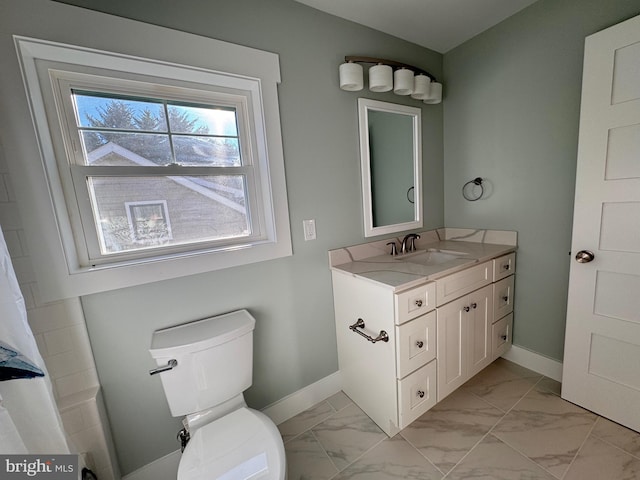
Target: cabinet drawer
(504, 266)
(415, 302)
(416, 394)
(416, 343)
(458, 284)
(503, 297)
(501, 336)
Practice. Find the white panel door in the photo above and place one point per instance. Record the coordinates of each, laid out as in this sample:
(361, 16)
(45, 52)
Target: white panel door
(602, 345)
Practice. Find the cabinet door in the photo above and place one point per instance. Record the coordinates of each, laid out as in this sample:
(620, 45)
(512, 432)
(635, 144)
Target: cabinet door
(501, 336)
(451, 347)
(417, 393)
(504, 266)
(478, 324)
(415, 302)
(503, 297)
(416, 343)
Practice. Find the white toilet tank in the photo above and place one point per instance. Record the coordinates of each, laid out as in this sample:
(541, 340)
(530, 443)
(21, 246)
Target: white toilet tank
(214, 361)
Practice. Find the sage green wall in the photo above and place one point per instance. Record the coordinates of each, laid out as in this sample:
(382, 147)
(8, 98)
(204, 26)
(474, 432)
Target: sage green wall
(291, 298)
(511, 116)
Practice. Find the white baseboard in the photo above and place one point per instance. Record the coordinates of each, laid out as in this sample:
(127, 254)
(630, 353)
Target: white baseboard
(534, 361)
(166, 468)
(307, 397)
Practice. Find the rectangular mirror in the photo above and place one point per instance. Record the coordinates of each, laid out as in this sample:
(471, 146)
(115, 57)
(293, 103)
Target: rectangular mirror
(391, 166)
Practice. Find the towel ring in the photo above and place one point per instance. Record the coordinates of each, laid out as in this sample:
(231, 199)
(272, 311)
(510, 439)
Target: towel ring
(469, 191)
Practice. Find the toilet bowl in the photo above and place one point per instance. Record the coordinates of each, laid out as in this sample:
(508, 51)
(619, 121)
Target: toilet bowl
(204, 367)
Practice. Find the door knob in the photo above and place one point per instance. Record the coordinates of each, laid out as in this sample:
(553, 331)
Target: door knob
(584, 256)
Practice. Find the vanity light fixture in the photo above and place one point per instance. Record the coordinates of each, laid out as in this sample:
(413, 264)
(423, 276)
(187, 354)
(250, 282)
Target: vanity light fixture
(405, 80)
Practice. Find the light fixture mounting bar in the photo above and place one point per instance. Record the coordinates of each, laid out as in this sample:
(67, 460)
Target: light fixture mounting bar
(391, 63)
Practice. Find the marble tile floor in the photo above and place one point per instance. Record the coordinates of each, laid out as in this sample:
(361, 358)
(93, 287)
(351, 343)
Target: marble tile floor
(506, 423)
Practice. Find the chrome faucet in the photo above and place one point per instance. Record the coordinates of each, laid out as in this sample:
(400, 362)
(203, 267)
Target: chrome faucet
(411, 246)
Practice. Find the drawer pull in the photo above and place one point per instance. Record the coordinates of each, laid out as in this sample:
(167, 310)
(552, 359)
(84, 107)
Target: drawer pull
(419, 343)
(382, 337)
(420, 393)
(418, 303)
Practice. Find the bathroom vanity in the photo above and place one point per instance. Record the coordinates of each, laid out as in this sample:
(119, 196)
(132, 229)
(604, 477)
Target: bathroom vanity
(414, 327)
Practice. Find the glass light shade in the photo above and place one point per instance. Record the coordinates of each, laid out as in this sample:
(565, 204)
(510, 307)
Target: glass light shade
(351, 77)
(435, 93)
(403, 82)
(420, 87)
(380, 78)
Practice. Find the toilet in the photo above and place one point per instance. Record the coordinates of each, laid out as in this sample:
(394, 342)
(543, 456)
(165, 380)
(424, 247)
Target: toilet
(205, 366)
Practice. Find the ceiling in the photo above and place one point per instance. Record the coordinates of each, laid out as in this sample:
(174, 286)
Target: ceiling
(436, 24)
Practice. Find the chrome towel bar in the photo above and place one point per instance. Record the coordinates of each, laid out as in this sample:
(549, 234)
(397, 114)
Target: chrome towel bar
(382, 337)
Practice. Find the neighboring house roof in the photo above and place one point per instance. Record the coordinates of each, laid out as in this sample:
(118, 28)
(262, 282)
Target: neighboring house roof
(201, 186)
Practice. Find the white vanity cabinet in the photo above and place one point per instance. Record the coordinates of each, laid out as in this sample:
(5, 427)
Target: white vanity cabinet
(402, 347)
(393, 381)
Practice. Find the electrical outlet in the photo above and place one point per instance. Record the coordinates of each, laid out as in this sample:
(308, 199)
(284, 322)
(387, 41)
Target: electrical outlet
(309, 229)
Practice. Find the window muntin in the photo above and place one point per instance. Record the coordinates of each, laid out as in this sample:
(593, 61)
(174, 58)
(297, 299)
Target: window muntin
(189, 149)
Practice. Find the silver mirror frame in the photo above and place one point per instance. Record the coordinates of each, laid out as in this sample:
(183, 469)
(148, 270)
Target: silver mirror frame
(364, 106)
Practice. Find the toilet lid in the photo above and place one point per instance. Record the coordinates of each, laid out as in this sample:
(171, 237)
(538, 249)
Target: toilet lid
(244, 444)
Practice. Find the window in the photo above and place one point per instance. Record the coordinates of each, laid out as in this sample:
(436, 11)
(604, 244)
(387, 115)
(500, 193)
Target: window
(189, 150)
(155, 163)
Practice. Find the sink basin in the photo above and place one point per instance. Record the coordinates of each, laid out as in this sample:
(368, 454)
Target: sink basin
(432, 257)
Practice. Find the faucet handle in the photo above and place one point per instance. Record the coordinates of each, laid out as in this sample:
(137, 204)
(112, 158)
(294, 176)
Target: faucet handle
(412, 241)
(394, 248)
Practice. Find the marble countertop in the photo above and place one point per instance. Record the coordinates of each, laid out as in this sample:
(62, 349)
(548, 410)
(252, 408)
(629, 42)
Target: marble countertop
(400, 273)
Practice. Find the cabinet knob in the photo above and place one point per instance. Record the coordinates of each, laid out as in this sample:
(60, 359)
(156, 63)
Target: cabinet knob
(418, 303)
(503, 337)
(420, 393)
(505, 298)
(466, 309)
(506, 266)
(419, 343)
(474, 305)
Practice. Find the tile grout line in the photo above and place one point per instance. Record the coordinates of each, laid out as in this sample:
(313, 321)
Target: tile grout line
(608, 442)
(566, 472)
(505, 413)
(490, 431)
(421, 454)
(522, 453)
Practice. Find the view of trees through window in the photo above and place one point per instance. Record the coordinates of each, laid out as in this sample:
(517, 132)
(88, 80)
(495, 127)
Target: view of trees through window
(122, 131)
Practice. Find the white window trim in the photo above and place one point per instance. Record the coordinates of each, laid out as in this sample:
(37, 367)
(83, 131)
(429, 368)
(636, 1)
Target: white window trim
(58, 269)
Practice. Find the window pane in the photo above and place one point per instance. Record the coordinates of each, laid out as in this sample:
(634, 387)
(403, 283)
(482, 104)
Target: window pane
(134, 213)
(192, 119)
(206, 151)
(112, 111)
(126, 148)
